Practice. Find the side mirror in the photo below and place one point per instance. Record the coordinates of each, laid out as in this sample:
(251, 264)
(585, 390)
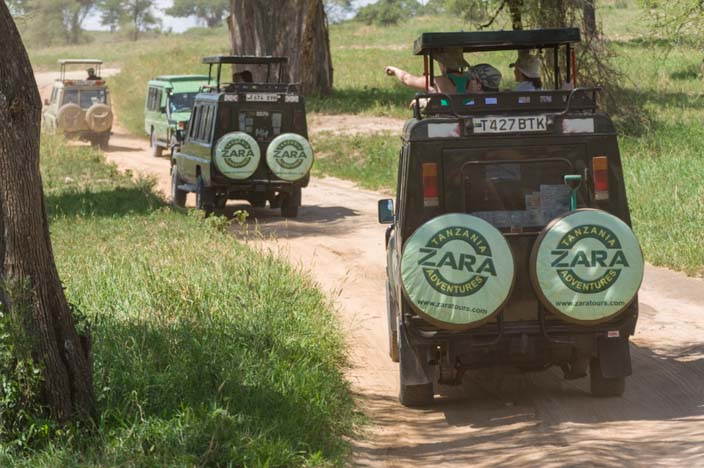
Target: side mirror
(386, 211)
(162, 109)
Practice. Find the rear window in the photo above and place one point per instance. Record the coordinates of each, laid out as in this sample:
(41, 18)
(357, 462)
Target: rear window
(262, 125)
(516, 194)
(84, 98)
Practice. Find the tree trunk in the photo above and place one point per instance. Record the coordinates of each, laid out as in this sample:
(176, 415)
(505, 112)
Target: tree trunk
(589, 12)
(514, 8)
(296, 29)
(31, 287)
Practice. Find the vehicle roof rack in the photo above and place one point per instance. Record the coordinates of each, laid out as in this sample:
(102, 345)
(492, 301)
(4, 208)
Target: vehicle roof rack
(480, 41)
(243, 59)
(80, 61)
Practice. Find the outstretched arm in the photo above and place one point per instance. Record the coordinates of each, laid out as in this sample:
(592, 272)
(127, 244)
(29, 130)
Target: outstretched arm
(412, 81)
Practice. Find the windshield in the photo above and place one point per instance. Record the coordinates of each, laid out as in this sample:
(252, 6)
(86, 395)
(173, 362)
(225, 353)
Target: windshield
(181, 102)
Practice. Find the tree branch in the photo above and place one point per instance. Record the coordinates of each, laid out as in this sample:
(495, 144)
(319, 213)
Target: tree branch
(493, 18)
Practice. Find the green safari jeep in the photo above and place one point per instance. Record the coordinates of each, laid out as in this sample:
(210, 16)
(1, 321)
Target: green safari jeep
(168, 108)
(247, 139)
(510, 244)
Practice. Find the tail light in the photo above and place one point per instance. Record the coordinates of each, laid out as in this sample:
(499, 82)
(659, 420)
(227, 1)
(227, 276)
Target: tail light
(430, 184)
(600, 177)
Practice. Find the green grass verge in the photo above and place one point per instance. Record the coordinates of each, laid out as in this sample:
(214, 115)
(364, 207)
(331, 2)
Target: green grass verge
(207, 352)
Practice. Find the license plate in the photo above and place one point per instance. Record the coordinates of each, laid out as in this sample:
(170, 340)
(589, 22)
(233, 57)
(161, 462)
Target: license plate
(263, 97)
(534, 123)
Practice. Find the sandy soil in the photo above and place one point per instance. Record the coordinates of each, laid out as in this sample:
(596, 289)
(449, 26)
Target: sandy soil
(514, 420)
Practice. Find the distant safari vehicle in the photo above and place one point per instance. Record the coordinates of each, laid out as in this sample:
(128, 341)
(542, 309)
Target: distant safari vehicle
(168, 108)
(510, 242)
(246, 139)
(80, 108)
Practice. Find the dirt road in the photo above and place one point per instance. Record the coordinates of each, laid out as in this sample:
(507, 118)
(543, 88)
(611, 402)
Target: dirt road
(523, 420)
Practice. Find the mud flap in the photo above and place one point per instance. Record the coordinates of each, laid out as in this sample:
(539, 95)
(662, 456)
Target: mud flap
(614, 357)
(414, 367)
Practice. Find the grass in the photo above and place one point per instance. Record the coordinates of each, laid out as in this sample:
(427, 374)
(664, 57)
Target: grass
(206, 352)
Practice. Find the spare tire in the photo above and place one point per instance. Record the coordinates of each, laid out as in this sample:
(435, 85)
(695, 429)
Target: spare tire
(99, 118)
(457, 271)
(68, 118)
(586, 266)
(237, 155)
(289, 156)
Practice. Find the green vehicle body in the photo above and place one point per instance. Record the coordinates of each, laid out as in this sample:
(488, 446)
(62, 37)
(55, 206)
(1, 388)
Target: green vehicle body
(167, 108)
(524, 334)
(263, 110)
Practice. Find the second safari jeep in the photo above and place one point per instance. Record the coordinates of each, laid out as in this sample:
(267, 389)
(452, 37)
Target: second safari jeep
(80, 108)
(168, 108)
(247, 139)
(510, 242)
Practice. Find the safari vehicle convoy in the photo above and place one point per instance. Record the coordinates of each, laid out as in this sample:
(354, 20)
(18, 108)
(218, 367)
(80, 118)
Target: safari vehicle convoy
(510, 242)
(246, 139)
(80, 108)
(168, 108)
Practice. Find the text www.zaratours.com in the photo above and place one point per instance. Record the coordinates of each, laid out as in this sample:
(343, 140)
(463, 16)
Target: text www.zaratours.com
(442, 305)
(589, 303)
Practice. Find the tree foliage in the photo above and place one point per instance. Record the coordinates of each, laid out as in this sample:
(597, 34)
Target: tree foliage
(210, 11)
(677, 18)
(140, 16)
(50, 21)
(385, 12)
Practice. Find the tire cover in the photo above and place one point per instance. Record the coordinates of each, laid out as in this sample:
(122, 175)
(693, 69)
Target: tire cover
(289, 156)
(586, 266)
(237, 155)
(457, 271)
(99, 118)
(69, 117)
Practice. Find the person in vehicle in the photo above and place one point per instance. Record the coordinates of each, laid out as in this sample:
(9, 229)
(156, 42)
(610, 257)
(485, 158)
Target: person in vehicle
(454, 79)
(91, 74)
(526, 71)
(245, 76)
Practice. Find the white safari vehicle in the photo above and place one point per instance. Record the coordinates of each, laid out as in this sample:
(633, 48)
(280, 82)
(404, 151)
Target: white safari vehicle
(80, 108)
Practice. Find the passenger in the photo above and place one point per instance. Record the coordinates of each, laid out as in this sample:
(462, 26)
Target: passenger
(453, 78)
(245, 76)
(91, 74)
(526, 71)
(484, 78)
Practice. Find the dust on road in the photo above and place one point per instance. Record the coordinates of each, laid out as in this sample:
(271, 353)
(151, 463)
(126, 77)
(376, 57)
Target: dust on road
(492, 419)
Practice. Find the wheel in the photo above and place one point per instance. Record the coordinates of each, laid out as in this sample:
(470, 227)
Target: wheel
(393, 326)
(290, 203)
(156, 149)
(258, 201)
(414, 396)
(178, 196)
(601, 386)
(104, 142)
(204, 197)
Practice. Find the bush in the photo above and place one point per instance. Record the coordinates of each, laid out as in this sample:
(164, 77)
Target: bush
(385, 12)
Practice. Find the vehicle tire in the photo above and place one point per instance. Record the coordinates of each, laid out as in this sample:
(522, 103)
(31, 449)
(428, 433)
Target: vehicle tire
(257, 201)
(204, 197)
(104, 142)
(156, 149)
(290, 203)
(99, 118)
(393, 326)
(178, 196)
(416, 396)
(68, 118)
(601, 386)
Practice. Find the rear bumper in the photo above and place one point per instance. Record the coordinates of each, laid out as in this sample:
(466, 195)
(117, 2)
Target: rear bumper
(528, 344)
